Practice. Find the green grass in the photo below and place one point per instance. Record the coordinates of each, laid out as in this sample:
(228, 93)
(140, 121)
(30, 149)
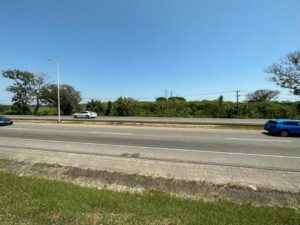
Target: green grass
(45, 111)
(4, 160)
(28, 200)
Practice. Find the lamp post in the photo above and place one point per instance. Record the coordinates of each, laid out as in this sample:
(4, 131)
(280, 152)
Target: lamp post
(58, 94)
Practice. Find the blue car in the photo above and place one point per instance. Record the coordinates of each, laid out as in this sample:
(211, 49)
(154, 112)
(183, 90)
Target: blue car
(5, 121)
(283, 127)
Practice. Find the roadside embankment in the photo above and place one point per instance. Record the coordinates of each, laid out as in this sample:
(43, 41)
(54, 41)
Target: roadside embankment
(32, 200)
(139, 184)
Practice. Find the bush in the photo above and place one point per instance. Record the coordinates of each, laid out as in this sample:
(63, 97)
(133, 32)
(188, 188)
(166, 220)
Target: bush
(5, 109)
(96, 106)
(124, 107)
(198, 109)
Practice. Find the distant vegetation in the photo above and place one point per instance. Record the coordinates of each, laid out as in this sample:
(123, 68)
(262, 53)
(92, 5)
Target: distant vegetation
(168, 108)
(32, 94)
(217, 109)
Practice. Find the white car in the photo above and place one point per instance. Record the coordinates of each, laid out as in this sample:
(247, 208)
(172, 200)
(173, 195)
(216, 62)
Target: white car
(85, 114)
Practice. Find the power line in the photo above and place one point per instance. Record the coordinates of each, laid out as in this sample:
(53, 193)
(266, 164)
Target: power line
(154, 97)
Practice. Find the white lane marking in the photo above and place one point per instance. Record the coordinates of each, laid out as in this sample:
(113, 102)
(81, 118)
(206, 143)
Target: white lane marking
(110, 133)
(159, 148)
(17, 128)
(257, 139)
(80, 132)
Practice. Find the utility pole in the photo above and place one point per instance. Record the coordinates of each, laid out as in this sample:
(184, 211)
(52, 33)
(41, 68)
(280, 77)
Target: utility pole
(166, 94)
(237, 102)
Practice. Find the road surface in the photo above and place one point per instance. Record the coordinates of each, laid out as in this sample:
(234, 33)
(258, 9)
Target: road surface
(250, 158)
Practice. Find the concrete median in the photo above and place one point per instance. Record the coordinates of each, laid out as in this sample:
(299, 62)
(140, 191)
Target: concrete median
(147, 120)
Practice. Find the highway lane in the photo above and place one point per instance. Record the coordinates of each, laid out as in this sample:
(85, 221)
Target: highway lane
(225, 147)
(255, 142)
(246, 158)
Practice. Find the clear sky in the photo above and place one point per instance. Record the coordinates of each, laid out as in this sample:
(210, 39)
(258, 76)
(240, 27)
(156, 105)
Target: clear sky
(141, 48)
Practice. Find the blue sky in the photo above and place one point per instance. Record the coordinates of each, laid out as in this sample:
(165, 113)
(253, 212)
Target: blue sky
(140, 48)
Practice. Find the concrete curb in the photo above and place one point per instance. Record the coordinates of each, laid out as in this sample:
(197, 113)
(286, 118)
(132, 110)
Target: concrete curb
(137, 122)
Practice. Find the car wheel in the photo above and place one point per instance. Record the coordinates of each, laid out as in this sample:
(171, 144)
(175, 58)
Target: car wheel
(87, 117)
(284, 133)
(75, 117)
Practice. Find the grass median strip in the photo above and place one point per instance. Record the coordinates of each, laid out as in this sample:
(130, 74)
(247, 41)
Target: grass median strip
(29, 200)
(149, 124)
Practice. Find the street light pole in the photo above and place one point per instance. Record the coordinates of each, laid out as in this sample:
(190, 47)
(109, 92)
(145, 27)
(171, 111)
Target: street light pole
(58, 92)
(58, 88)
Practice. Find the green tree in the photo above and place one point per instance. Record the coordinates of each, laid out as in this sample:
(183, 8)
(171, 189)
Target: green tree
(96, 106)
(262, 95)
(124, 107)
(161, 99)
(286, 74)
(39, 82)
(220, 106)
(108, 108)
(177, 99)
(69, 97)
(22, 88)
(26, 88)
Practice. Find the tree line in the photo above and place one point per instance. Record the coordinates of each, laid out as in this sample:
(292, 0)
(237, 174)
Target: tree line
(32, 92)
(214, 108)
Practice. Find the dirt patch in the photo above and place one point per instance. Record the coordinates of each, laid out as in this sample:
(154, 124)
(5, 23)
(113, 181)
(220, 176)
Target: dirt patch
(138, 183)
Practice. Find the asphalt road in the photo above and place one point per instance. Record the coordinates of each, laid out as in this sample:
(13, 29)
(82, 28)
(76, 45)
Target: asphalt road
(236, 153)
(154, 119)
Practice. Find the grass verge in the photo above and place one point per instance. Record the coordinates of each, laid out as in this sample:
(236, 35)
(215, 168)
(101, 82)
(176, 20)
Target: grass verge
(28, 200)
(4, 160)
